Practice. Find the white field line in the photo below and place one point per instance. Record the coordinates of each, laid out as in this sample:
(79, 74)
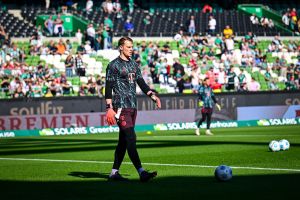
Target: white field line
(151, 164)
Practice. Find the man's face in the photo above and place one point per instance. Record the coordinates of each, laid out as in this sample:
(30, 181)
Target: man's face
(127, 48)
(206, 82)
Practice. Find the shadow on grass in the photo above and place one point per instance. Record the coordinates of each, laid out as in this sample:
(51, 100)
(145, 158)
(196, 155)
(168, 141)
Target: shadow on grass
(89, 175)
(282, 186)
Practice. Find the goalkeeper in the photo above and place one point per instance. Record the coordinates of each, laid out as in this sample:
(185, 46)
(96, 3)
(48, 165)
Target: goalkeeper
(122, 76)
(206, 101)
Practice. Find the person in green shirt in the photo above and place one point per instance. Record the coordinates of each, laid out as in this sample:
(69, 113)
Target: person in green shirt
(108, 22)
(242, 80)
(218, 41)
(105, 37)
(269, 80)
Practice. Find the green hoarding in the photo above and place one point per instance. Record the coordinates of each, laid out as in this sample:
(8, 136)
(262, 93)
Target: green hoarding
(71, 23)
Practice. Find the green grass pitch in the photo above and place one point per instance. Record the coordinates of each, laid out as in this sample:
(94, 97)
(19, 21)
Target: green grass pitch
(77, 167)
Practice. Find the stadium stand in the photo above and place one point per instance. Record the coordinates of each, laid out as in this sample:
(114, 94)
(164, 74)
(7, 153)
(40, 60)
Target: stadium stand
(39, 67)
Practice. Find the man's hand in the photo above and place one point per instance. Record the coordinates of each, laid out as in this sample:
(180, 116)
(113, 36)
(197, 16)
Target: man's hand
(218, 107)
(110, 117)
(155, 99)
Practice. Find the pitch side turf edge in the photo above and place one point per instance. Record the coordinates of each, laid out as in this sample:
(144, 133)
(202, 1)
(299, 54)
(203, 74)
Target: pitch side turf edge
(153, 164)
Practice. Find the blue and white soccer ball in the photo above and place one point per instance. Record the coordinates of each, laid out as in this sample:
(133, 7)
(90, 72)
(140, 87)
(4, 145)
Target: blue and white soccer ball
(223, 173)
(274, 146)
(284, 145)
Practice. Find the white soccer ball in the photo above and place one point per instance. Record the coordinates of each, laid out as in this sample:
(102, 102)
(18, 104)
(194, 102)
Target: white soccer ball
(223, 173)
(274, 146)
(284, 145)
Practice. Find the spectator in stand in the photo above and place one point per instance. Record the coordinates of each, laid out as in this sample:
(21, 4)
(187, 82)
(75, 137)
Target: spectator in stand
(285, 19)
(91, 34)
(136, 56)
(254, 19)
(89, 6)
(177, 66)
(47, 4)
(69, 46)
(69, 63)
(231, 79)
(271, 24)
(229, 44)
(191, 25)
(87, 47)
(207, 8)
(105, 36)
(222, 76)
(49, 25)
(253, 85)
(212, 23)
(210, 74)
(78, 36)
(117, 9)
(293, 13)
(52, 47)
(180, 81)
(164, 71)
(228, 32)
(146, 20)
(58, 27)
(3, 36)
(65, 86)
(61, 47)
(80, 69)
(128, 26)
(109, 6)
(131, 6)
(268, 79)
(277, 42)
(242, 81)
(264, 22)
(108, 26)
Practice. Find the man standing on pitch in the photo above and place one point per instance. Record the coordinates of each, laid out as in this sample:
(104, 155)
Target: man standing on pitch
(206, 100)
(122, 74)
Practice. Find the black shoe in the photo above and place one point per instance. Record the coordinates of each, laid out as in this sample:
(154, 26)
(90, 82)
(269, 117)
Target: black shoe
(117, 177)
(146, 176)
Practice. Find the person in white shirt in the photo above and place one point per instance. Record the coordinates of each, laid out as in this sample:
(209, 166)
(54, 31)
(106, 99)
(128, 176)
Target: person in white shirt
(91, 34)
(47, 2)
(212, 23)
(89, 6)
(254, 19)
(79, 36)
(222, 75)
(264, 22)
(87, 47)
(285, 19)
(109, 6)
(229, 44)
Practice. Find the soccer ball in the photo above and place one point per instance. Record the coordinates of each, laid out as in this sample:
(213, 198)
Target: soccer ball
(284, 145)
(274, 146)
(223, 173)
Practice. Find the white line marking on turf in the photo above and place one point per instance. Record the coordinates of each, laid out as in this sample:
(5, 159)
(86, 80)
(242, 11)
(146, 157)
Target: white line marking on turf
(153, 164)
